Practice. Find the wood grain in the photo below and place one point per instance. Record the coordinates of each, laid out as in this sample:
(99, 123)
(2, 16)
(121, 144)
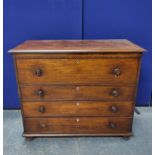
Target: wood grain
(66, 55)
(115, 45)
(73, 125)
(77, 71)
(53, 93)
(77, 108)
(78, 87)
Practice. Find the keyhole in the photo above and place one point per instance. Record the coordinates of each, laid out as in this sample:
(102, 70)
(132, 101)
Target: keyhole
(77, 62)
(77, 103)
(77, 120)
(77, 88)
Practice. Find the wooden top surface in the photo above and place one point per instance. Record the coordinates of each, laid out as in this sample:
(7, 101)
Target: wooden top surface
(72, 46)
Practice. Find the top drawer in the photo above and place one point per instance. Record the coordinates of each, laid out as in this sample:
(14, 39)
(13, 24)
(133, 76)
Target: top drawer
(77, 71)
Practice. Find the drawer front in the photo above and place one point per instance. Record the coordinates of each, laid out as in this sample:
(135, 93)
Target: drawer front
(78, 71)
(48, 93)
(75, 125)
(79, 108)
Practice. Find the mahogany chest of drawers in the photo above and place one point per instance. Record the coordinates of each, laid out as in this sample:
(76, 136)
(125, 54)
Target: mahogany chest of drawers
(78, 87)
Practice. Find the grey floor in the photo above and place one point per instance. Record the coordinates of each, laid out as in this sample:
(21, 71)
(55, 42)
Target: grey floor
(140, 144)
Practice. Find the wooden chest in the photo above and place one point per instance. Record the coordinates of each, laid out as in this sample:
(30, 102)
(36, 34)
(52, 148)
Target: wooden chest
(77, 88)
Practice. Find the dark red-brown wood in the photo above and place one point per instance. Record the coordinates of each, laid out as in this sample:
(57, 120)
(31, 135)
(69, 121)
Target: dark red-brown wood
(77, 108)
(113, 45)
(78, 71)
(78, 93)
(74, 125)
(77, 88)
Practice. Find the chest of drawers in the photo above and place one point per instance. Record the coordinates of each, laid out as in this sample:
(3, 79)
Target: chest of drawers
(77, 88)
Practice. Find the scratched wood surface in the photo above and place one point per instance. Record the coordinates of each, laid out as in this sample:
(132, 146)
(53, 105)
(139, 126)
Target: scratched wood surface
(77, 88)
(118, 45)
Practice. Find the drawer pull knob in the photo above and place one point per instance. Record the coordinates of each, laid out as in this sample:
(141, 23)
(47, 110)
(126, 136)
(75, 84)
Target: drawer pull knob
(40, 93)
(42, 109)
(38, 72)
(112, 125)
(115, 93)
(117, 71)
(114, 109)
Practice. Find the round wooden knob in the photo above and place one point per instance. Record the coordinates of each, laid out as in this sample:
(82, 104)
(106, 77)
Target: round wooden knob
(114, 108)
(41, 109)
(40, 93)
(38, 72)
(117, 71)
(115, 93)
(112, 125)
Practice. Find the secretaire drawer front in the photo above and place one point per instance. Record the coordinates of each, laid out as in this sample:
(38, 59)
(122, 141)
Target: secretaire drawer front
(78, 125)
(79, 108)
(49, 93)
(78, 71)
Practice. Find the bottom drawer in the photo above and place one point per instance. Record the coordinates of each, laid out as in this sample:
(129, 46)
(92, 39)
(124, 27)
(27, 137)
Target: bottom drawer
(78, 125)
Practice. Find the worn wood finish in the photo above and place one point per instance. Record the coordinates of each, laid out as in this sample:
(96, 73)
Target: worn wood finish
(78, 125)
(105, 93)
(124, 135)
(77, 88)
(113, 45)
(77, 108)
(95, 55)
(74, 71)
